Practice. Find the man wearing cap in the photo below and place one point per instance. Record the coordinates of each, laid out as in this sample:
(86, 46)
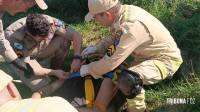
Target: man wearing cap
(38, 37)
(11, 101)
(13, 7)
(136, 33)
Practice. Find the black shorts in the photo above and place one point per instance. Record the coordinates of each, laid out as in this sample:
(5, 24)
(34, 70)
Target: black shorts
(73, 90)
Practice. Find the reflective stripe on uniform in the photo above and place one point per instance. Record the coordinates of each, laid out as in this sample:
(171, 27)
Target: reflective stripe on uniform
(34, 105)
(161, 66)
(175, 63)
(136, 101)
(89, 91)
(128, 17)
(27, 105)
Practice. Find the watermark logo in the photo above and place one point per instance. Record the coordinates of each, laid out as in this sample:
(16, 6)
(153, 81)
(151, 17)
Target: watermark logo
(175, 101)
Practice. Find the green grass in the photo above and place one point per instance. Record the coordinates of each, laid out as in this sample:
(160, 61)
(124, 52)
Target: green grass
(156, 97)
(181, 17)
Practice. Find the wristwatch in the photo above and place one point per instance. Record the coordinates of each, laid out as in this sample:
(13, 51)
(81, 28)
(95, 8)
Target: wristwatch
(76, 57)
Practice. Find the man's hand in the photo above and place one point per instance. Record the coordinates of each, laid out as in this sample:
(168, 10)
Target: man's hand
(84, 70)
(61, 74)
(88, 50)
(25, 67)
(75, 66)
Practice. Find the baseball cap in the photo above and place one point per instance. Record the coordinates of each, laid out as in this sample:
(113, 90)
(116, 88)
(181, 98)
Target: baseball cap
(41, 4)
(4, 79)
(98, 6)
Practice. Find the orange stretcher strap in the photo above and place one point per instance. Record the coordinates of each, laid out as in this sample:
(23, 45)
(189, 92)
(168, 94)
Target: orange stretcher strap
(89, 91)
(99, 105)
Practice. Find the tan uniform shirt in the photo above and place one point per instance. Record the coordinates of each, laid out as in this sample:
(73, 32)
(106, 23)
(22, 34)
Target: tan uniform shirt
(140, 35)
(5, 49)
(17, 36)
(48, 104)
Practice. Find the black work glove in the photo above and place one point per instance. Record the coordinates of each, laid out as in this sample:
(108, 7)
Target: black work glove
(25, 67)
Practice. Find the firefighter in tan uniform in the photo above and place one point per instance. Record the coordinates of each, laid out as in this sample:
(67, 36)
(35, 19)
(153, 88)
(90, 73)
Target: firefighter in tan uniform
(135, 33)
(38, 37)
(13, 7)
(11, 101)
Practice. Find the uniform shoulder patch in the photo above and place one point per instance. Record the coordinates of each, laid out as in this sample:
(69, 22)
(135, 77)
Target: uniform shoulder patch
(119, 33)
(60, 23)
(57, 22)
(18, 47)
(117, 37)
(111, 50)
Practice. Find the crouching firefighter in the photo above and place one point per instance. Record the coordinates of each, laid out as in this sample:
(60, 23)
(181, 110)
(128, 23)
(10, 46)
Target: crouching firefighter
(133, 33)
